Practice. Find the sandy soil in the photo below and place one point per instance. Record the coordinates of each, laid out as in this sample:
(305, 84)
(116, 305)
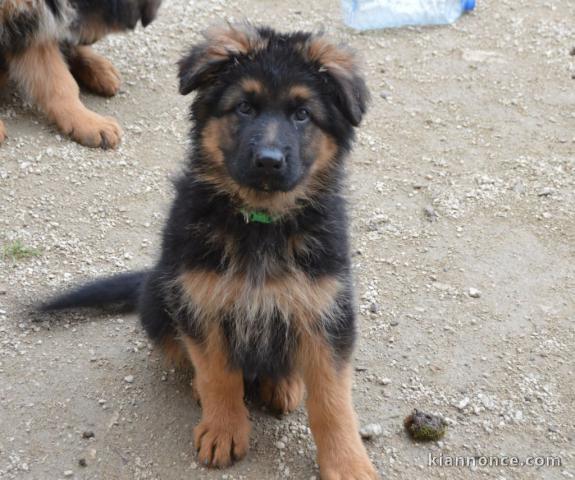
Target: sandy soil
(463, 178)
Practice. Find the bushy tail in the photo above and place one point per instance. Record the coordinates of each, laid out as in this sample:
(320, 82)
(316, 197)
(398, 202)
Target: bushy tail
(120, 292)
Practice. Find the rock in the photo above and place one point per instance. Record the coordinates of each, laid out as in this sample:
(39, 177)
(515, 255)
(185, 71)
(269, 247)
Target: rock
(384, 381)
(461, 405)
(129, 379)
(82, 462)
(88, 434)
(68, 473)
(374, 308)
(430, 213)
(371, 431)
(280, 445)
(545, 192)
(474, 293)
(481, 56)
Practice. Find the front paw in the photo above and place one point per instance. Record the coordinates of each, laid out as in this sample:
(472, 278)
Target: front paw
(90, 129)
(222, 439)
(342, 467)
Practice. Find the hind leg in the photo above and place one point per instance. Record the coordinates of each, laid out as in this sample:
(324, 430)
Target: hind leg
(44, 75)
(282, 396)
(94, 72)
(158, 323)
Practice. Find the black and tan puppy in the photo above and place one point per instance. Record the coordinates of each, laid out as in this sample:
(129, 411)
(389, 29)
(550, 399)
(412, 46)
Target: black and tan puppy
(44, 45)
(254, 278)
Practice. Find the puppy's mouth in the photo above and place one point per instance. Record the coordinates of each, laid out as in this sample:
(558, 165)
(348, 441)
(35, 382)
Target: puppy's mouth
(270, 186)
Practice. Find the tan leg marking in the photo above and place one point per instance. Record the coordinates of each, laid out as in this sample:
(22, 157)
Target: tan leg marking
(3, 133)
(340, 452)
(222, 435)
(94, 72)
(42, 72)
(174, 353)
(283, 396)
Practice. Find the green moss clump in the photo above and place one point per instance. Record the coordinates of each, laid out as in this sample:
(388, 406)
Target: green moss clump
(425, 427)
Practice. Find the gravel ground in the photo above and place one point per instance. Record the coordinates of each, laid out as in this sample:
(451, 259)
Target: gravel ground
(462, 190)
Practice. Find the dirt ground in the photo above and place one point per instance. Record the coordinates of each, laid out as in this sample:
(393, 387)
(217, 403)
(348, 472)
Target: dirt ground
(463, 178)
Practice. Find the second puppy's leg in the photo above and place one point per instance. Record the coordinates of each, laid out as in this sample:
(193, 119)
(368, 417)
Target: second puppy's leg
(44, 75)
(93, 71)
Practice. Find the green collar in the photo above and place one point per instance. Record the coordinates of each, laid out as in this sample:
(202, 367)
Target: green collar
(257, 216)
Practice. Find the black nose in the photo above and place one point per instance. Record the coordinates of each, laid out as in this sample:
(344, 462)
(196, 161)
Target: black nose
(269, 159)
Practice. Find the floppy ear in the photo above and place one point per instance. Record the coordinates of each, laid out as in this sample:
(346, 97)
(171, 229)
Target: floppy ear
(341, 64)
(222, 44)
(149, 10)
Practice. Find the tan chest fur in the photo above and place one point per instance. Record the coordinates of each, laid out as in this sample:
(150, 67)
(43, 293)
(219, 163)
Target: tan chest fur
(293, 298)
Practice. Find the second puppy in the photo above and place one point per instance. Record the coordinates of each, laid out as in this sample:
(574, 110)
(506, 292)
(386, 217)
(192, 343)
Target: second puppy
(44, 49)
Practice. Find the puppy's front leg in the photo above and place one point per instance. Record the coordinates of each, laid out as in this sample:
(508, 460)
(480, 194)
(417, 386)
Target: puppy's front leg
(340, 452)
(222, 435)
(44, 75)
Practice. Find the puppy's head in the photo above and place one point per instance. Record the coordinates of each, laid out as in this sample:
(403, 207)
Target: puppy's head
(273, 110)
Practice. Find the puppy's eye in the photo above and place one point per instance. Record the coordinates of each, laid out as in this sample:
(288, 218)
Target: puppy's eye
(302, 115)
(245, 109)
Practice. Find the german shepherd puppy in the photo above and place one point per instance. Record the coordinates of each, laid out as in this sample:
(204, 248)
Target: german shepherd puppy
(254, 279)
(44, 45)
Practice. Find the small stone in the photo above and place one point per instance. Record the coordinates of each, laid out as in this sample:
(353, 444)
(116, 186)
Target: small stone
(430, 213)
(461, 405)
(370, 431)
(545, 192)
(394, 323)
(360, 368)
(374, 308)
(384, 381)
(68, 473)
(280, 445)
(129, 379)
(474, 293)
(385, 95)
(82, 462)
(88, 434)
